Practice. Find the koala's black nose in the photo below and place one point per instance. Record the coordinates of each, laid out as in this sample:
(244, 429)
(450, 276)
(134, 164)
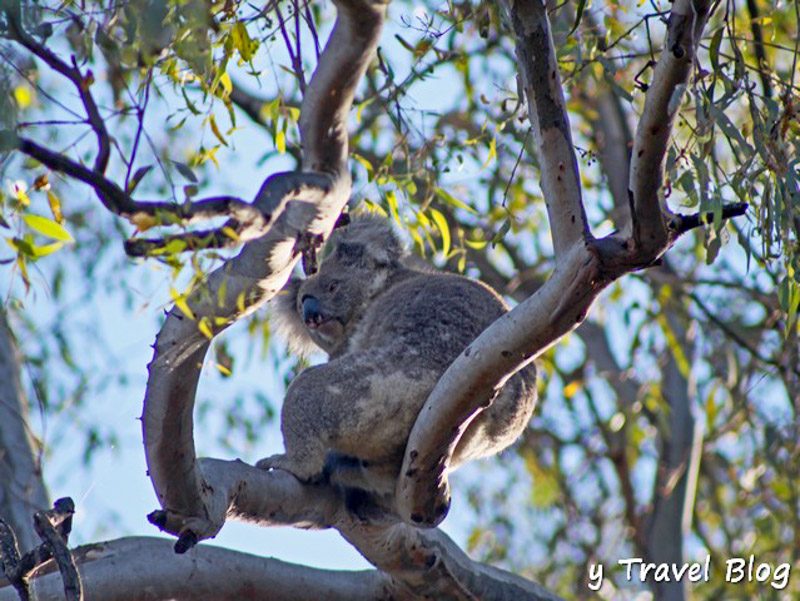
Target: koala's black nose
(311, 314)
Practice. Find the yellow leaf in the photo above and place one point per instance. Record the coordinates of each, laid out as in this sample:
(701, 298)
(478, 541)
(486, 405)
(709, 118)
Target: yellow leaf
(391, 198)
(227, 85)
(280, 142)
(47, 227)
(143, 222)
(476, 244)
(23, 96)
(23, 271)
(230, 233)
(213, 122)
(55, 206)
(444, 229)
(492, 153)
(46, 249)
(418, 241)
(571, 389)
(180, 302)
(225, 371)
(204, 328)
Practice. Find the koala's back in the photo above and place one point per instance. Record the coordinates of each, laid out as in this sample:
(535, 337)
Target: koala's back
(432, 316)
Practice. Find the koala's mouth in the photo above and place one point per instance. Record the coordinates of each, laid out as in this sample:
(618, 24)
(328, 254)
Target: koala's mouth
(324, 327)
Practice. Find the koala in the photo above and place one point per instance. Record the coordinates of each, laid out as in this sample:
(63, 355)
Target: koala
(390, 331)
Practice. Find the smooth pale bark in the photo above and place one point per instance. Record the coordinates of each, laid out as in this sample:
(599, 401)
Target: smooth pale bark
(145, 569)
(22, 491)
(552, 135)
(662, 101)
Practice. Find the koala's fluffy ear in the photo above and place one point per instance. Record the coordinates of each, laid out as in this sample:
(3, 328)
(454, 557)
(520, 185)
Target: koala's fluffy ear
(368, 241)
(287, 321)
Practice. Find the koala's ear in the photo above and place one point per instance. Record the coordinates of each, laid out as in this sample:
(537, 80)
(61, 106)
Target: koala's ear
(287, 322)
(368, 241)
(350, 253)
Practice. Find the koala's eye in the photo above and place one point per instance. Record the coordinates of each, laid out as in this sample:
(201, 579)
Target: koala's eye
(333, 286)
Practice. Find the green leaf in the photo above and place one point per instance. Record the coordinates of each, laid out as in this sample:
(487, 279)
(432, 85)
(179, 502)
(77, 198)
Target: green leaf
(713, 50)
(21, 247)
(501, 233)
(137, 177)
(47, 227)
(578, 15)
(185, 171)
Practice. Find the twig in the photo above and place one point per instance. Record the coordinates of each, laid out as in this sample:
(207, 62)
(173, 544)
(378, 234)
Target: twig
(73, 73)
(680, 224)
(140, 126)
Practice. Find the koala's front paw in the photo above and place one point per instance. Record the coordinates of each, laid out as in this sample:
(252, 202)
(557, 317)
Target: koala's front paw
(285, 463)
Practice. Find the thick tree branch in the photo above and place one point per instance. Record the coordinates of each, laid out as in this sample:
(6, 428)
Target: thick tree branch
(538, 67)
(254, 276)
(147, 569)
(416, 563)
(22, 492)
(584, 266)
(323, 115)
(663, 99)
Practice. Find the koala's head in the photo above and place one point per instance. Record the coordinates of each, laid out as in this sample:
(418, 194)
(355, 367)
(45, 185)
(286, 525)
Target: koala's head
(356, 264)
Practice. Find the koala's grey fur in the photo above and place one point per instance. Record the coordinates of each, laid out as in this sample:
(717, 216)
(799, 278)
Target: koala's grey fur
(390, 332)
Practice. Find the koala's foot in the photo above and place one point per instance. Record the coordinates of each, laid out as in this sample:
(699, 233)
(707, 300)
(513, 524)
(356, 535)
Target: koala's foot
(283, 462)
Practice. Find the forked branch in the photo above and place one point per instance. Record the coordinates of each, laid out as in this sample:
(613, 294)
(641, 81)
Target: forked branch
(584, 266)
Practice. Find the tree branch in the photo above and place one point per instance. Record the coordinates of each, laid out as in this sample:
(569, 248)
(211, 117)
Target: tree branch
(82, 83)
(185, 491)
(663, 99)
(22, 492)
(247, 220)
(584, 266)
(560, 178)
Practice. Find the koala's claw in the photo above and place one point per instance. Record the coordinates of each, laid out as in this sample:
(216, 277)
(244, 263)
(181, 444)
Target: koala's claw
(275, 462)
